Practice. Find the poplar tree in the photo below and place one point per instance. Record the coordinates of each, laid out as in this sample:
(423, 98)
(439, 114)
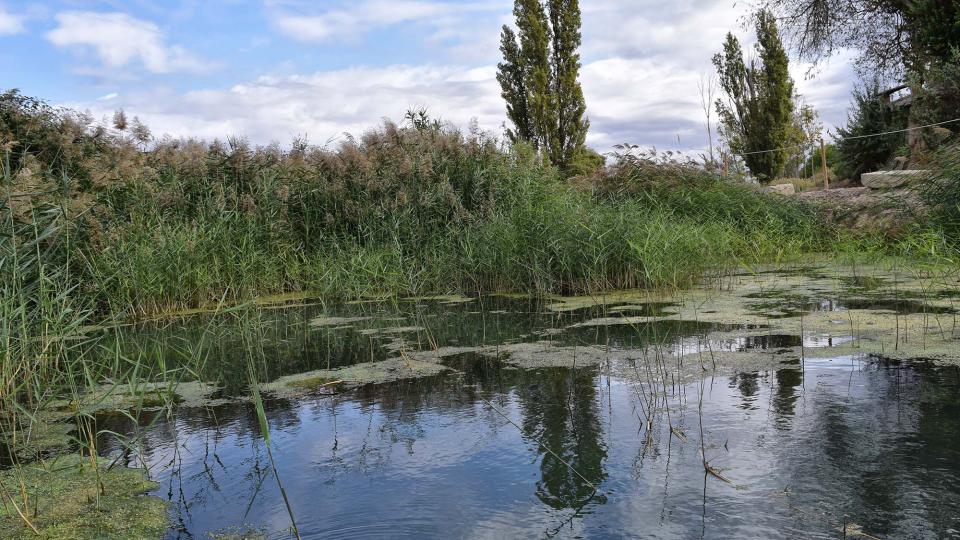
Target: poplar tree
(757, 117)
(571, 126)
(513, 85)
(539, 78)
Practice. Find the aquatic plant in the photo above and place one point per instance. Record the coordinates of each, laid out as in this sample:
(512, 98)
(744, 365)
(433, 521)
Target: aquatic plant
(404, 209)
(942, 192)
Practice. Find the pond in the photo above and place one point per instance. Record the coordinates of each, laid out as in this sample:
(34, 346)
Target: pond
(695, 416)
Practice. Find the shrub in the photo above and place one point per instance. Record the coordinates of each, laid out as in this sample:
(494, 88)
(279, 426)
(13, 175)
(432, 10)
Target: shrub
(942, 193)
(406, 209)
(869, 116)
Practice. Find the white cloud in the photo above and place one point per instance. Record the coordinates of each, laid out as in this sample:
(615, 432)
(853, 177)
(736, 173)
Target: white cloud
(685, 32)
(642, 101)
(322, 105)
(828, 86)
(644, 58)
(10, 23)
(355, 18)
(635, 100)
(642, 63)
(118, 40)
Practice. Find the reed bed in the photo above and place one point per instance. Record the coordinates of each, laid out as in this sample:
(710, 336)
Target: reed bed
(100, 226)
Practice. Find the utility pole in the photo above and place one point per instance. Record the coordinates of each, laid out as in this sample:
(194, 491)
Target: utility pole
(823, 160)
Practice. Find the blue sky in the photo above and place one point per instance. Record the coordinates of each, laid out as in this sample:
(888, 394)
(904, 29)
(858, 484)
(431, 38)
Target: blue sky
(271, 70)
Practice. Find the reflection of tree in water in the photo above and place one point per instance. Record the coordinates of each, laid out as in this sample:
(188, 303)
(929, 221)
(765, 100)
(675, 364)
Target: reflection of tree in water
(748, 384)
(887, 452)
(560, 408)
(785, 397)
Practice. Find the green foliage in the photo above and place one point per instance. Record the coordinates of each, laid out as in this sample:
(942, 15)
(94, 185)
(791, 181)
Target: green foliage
(535, 35)
(38, 136)
(568, 138)
(75, 500)
(895, 38)
(403, 209)
(938, 97)
(511, 74)
(803, 139)
(933, 30)
(813, 166)
(909, 41)
(758, 118)
(586, 162)
(942, 193)
(416, 208)
(539, 78)
(869, 116)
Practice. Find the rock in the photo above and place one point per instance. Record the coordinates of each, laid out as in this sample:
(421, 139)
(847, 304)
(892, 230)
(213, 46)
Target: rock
(889, 212)
(941, 134)
(891, 179)
(899, 163)
(782, 189)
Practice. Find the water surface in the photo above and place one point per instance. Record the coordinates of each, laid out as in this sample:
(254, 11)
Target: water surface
(491, 451)
(815, 438)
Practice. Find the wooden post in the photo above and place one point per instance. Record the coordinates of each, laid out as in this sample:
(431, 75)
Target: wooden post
(823, 161)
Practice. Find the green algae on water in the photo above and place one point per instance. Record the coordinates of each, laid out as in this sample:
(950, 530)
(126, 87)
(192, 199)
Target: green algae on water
(66, 498)
(39, 438)
(392, 369)
(336, 322)
(142, 396)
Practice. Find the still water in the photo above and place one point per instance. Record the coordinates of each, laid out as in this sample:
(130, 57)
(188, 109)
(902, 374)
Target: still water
(809, 450)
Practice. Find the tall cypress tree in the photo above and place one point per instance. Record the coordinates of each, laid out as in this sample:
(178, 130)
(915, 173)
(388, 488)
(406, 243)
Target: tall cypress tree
(757, 118)
(535, 50)
(777, 104)
(572, 127)
(539, 78)
(513, 85)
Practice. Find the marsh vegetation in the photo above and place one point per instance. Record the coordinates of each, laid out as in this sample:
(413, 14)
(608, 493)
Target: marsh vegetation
(433, 329)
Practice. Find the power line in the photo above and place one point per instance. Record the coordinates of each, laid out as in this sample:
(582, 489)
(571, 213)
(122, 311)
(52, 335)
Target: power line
(900, 130)
(838, 138)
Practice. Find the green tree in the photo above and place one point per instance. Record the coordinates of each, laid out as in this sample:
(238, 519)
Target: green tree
(803, 140)
(757, 118)
(858, 154)
(571, 128)
(893, 36)
(938, 98)
(911, 41)
(513, 85)
(539, 78)
(535, 51)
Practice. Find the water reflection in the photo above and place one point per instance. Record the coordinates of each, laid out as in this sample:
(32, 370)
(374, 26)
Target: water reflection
(560, 410)
(784, 401)
(781, 304)
(872, 444)
(304, 338)
(748, 384)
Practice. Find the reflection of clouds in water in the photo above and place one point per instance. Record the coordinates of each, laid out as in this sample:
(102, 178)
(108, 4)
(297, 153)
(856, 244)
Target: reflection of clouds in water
(808, 443)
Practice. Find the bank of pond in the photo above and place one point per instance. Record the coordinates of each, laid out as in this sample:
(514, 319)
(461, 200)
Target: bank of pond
(806, 401)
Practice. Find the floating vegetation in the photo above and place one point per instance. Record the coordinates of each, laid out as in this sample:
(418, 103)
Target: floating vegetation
(41, 437)
(320, 322)
(139, 396)
(774, 327)
(74, 497)
(385, 371)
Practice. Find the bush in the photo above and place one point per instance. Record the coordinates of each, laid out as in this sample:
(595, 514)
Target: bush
(869, 116)
(404, 209)
(942, 193)
(939, 97)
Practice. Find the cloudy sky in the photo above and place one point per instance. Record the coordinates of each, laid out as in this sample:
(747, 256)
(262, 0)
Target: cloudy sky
(271, 70)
